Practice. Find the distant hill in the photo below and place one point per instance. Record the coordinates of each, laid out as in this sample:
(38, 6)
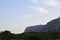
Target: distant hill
(36, 28)
(53, 25)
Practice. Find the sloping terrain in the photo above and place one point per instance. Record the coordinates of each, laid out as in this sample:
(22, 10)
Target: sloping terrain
(53, 25)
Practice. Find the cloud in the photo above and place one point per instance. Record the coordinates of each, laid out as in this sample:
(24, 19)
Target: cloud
(58, 6)
(47, 2)
(27, 15)
(51, 2)
(34, 1)
(54, 3)
(40, 10)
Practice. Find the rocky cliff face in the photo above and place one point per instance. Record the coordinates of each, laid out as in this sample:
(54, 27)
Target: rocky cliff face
(53, 25)
(36, 28)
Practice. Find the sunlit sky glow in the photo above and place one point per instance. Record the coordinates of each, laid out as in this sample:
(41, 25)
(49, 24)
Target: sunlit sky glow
(16, 15)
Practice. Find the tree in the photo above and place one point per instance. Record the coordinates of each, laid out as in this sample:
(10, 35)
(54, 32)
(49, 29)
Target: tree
(6, 35)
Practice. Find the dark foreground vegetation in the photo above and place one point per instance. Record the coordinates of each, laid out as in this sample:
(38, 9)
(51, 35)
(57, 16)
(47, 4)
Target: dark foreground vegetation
(7, 35)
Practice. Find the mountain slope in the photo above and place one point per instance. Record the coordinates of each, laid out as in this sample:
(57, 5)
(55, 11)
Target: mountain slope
(53, 25)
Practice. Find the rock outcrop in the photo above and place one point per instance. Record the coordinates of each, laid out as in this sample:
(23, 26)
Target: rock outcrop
(36, 28)
(53, 25)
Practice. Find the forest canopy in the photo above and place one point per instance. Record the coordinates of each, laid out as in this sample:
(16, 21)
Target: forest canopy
(7, 35)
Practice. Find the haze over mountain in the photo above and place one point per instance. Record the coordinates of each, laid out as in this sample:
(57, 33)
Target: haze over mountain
(53, 25)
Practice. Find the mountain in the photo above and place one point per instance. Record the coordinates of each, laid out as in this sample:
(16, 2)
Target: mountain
(53, 25)
(36, 28)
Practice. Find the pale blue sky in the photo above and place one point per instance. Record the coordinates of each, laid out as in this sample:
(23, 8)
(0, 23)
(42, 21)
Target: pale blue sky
(16, 15)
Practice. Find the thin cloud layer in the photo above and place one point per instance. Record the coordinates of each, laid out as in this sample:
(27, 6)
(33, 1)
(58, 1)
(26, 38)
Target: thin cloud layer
(47, 2)
(27, 16)
(34, 1)
(51, 2)
(40, 10)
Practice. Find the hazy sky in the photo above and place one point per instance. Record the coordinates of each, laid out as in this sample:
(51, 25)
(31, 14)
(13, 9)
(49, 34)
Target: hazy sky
(16, 15)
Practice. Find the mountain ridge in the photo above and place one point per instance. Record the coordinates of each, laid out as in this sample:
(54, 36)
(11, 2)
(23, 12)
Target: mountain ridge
(52, 25)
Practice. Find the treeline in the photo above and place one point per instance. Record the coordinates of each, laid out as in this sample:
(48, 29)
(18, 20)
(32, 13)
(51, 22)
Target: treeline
(7, 35)
(41, 35)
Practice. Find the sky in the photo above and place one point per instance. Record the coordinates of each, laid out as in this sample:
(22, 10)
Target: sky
(16, 15)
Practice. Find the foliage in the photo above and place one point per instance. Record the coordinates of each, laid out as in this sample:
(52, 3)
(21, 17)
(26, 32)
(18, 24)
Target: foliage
(6, 35)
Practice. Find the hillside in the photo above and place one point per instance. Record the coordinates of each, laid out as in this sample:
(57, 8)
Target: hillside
(53, 25)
